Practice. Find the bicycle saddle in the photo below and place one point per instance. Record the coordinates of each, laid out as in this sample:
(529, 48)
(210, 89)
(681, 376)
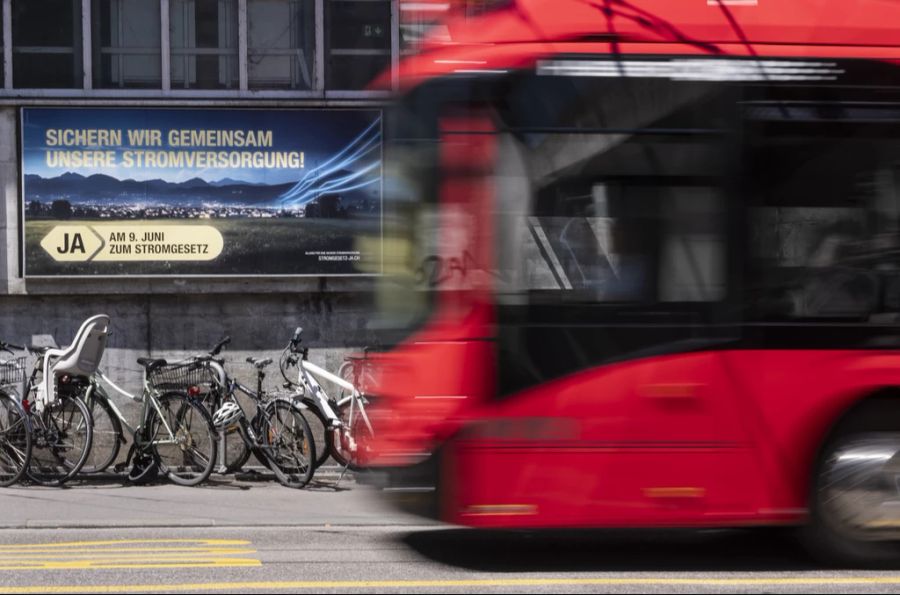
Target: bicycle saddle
(259, 363)
(151, 363)
(38, 350)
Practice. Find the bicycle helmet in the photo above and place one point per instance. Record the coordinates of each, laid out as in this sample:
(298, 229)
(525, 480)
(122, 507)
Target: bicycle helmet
(227, 414)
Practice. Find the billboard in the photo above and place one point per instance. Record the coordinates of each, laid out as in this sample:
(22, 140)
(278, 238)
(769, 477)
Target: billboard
(181, 192)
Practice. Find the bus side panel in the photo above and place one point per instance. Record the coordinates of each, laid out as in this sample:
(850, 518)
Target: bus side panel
(429, 395)
(580, 450)
(538, 458)
(793, 398)
(656, 441)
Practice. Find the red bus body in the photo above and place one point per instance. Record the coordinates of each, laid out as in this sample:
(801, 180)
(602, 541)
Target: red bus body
(725, 436)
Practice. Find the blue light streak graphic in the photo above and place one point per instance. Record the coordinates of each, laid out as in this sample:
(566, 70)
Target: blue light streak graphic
(342, 172)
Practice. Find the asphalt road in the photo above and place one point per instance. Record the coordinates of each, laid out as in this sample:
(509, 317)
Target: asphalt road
(251, 536)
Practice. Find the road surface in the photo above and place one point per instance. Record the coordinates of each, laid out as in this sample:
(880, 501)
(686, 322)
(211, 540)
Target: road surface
(256, 536)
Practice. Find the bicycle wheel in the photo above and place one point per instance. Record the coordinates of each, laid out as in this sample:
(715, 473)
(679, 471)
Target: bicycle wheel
(15, 440)
(350, 448)
(320, 431)
(289, 446)
(61, 441)
(144, 466)
(233, 451)
(107, 440)
(187, 455)
(235, 448)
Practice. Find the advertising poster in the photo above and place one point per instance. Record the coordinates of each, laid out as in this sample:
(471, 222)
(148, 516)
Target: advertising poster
(147, 192)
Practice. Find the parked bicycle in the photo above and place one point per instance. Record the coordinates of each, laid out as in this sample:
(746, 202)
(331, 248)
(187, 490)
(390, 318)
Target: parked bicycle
(61, 426)
(15, 426)
(209, 381)
(175, 435)
(342, 422)
(275, 431)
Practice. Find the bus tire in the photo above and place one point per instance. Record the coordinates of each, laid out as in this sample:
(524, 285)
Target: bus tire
(841, 528)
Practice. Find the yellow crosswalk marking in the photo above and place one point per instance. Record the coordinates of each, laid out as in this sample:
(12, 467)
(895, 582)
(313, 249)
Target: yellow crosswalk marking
(127, 553)
(67, 544)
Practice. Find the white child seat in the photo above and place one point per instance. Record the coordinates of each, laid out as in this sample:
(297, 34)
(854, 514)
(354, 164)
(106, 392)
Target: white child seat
(81, 358)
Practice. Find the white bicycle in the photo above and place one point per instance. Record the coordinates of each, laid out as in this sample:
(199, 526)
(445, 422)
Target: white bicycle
(342, 422)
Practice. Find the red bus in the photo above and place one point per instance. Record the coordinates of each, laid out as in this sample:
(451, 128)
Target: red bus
(645, 256)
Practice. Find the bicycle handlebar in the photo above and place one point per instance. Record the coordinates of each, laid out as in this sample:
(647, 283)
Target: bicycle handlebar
(218, 348)
(297, 339)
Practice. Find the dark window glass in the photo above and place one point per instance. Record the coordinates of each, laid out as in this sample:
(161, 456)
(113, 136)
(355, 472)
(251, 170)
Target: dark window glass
(47, 43)
(626, 205)
(358, 42)
(126, 38)
(611, 221)
(354, 72)
(824, 181)
(204, 36)
(359, 24)
(280, 44)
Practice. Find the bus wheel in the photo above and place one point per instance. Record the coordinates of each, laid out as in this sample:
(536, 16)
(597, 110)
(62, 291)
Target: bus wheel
(855, 504)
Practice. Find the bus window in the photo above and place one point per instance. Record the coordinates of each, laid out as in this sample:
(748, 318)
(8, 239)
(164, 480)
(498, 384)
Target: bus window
(824, 185)
(614, 246)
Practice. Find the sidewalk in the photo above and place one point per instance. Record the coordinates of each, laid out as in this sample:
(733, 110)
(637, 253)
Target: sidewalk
(222, 502)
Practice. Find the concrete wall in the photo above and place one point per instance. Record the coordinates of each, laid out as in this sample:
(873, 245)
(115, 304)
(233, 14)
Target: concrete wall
(9, 202)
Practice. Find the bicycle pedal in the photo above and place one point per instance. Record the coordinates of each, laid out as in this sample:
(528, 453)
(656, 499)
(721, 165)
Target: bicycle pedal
(121, 467)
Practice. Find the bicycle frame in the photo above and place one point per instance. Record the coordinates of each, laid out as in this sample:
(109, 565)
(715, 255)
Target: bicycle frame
(148, 398)
(307, 377)
(234, 385)
(253, 439)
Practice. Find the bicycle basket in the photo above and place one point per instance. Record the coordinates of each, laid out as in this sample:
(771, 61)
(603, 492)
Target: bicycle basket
(181, 377)
(12, 371)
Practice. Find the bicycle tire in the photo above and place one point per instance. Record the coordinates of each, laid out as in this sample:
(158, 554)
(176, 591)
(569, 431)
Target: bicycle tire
(184, 463)
(320, 431)
(107, 440)
(57, 425)
(144, 466)
(290, 447)
(237, 453)
(232, 447)
(15, 440)
(360, 433)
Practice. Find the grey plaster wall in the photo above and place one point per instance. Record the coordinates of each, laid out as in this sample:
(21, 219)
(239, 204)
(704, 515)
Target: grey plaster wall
(176, 326)
(9, 202)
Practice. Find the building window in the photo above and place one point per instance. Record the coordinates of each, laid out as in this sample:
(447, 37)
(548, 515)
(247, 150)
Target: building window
(204, 38)
(47, 43)
(126, 37)
(280, 44)
(358, 39)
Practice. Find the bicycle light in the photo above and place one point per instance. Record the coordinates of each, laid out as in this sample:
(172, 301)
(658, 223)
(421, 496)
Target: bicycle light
(194, 391)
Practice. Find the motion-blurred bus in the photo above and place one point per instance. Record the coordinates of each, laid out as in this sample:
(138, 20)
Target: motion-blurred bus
(645, 257)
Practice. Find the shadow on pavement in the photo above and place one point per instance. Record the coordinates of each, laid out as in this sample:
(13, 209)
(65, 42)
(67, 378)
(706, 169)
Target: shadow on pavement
(243, 480)
(608, 550)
